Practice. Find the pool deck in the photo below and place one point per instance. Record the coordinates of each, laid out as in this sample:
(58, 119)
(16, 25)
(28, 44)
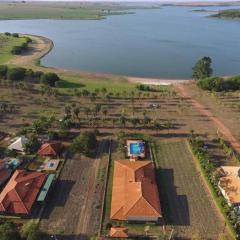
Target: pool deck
(133, 156)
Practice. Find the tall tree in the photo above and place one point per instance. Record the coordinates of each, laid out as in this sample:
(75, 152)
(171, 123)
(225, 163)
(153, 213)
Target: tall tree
(202, 68)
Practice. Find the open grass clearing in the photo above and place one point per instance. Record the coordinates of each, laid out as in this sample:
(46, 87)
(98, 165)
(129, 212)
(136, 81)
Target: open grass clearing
(6, 45)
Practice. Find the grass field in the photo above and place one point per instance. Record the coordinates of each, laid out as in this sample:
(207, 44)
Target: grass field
(186, 204)
(58, 11)
(91, 83)
(6, 45)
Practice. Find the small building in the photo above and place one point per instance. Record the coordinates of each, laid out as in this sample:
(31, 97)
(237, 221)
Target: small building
(50, 149)
(135, 196)
(21, 191)
(18, 144)
(51, 164)
(229, 184)
(46, 188)
(118, 232)
(136, 149)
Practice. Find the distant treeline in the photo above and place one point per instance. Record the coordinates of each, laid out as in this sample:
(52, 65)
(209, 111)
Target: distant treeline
(20, 74)
(219, 84)
(230, 13)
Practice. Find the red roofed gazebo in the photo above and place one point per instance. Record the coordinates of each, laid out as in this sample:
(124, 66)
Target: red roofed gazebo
(50, 149)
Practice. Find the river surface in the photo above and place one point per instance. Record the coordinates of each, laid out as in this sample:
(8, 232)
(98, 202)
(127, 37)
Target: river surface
(157, 43)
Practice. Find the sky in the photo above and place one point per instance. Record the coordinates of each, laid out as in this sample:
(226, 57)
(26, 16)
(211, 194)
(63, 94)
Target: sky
(130, 0)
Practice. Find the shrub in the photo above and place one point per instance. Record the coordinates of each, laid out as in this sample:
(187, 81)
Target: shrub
(143, 87)
(49, 79)
(3, 71)
(218, 84)
(16, 50)
(7, 33)
(8, 231)
(84, 143)
(16, 74)
(15, 35)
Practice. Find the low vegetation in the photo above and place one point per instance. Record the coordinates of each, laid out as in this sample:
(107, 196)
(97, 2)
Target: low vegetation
(26, 10)
(12, 44)
(228, 13)
(219, 84)
(29, 231)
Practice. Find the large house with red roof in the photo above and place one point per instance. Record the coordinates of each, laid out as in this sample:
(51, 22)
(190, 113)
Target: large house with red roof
(21, 191)
(135, 194)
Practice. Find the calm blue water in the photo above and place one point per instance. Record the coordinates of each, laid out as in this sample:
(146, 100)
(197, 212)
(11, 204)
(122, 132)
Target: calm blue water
(151, 43)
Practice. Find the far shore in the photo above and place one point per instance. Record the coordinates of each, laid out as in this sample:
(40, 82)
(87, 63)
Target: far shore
(42, 46)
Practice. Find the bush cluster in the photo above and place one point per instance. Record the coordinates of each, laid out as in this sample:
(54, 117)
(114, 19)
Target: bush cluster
(19, 73)
(18, 50)
(218, 84)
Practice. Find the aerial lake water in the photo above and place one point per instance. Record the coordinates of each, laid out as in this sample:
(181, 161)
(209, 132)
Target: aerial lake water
(158, 43)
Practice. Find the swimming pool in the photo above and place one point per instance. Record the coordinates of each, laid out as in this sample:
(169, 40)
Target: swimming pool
(136, 148)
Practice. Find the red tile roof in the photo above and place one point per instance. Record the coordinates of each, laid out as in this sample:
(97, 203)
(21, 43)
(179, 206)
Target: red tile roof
(50, 149)
(20, 193)
(135, 193)
(118, 232)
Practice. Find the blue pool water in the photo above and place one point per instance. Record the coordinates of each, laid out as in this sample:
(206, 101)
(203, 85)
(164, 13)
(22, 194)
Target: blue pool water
(136, 148)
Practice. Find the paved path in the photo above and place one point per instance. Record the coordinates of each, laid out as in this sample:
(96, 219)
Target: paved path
(220, 125)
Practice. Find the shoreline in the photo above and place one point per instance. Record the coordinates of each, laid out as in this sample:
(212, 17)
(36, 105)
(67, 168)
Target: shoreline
(41, 46)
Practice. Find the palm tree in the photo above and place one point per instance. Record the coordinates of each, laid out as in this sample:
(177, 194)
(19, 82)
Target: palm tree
(146, 120)
(168, 125)
(76, 112)
(157, 126)
(122, 120)
(135, 121)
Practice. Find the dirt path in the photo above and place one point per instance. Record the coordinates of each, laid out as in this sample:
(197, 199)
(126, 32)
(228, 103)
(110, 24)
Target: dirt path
(219, 124)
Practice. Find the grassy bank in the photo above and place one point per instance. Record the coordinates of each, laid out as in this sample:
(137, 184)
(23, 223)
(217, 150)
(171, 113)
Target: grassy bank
(228, 14)
(6, 45)
(58, 11)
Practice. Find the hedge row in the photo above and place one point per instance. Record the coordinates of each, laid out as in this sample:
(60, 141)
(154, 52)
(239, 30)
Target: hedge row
(218, 84)
(208, 170)
(19, 74)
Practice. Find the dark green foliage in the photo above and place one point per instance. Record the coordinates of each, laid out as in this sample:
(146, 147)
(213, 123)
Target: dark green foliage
(17, 50)
(84, 143)
(202, 68)
(49, 79)
(15, 35)
(32, 145)
(16, 74)
(143, 87)
(219, 84)
(3, 71)
(8, 231)
(7, 33)
(228, 13)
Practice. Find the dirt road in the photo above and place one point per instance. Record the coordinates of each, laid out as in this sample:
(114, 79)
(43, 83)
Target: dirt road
(221, 128)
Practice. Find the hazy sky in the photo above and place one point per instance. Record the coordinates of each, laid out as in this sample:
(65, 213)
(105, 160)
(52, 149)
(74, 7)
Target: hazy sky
(131, 0)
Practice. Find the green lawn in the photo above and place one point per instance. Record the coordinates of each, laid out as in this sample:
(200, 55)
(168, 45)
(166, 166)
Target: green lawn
(91, 83)
(6, 45)
(57, 11)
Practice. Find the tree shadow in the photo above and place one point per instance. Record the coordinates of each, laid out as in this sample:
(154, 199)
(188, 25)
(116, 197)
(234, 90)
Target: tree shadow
(58, 196)
(175, 207)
